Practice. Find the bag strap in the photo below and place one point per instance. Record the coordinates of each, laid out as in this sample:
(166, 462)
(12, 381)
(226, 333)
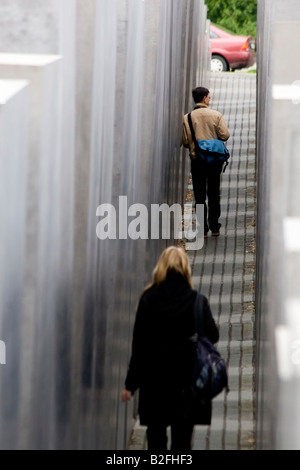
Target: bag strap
(198, 315)
(197, 149)
(193, 132)
(191, 125)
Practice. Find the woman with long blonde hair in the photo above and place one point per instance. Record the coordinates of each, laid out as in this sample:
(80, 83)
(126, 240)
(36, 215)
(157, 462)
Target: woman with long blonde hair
(162, 356)
(171, 259)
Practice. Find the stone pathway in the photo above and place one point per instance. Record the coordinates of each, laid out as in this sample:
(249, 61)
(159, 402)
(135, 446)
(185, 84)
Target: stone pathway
(224, 271)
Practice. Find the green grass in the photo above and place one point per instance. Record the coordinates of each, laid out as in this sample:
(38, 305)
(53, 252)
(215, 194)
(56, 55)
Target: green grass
(223, 28)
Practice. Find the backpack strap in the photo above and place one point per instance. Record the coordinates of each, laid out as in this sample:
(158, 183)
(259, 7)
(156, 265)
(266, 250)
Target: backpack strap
(198, 315)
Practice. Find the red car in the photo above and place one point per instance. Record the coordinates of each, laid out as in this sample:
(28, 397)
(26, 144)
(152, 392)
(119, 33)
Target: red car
(229, 51)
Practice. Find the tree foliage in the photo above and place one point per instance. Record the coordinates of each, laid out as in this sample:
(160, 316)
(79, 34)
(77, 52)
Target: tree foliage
(236, 16)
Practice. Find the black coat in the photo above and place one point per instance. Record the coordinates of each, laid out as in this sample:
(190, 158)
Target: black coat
(161, 363)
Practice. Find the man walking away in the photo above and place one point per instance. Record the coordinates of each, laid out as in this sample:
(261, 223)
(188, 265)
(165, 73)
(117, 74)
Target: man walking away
(207, 124)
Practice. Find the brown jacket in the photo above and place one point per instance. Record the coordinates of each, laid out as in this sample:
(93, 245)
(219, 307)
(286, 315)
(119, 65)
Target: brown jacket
(207, 123)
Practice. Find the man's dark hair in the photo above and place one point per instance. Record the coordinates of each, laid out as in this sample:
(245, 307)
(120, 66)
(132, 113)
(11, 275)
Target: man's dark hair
(199, 93)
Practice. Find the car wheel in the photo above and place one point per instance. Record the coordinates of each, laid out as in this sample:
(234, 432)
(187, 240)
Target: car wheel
(218, 64)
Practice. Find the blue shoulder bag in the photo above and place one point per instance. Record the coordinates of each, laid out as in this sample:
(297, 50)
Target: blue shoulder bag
(210, 150)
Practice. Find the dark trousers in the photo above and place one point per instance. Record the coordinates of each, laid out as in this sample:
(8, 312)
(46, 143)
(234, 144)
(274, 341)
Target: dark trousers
(206, 185)
(181, 436)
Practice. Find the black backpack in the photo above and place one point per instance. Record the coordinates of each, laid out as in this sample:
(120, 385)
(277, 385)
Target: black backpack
(210, 372)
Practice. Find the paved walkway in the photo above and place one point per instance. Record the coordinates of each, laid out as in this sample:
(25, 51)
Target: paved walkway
(224, 271)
